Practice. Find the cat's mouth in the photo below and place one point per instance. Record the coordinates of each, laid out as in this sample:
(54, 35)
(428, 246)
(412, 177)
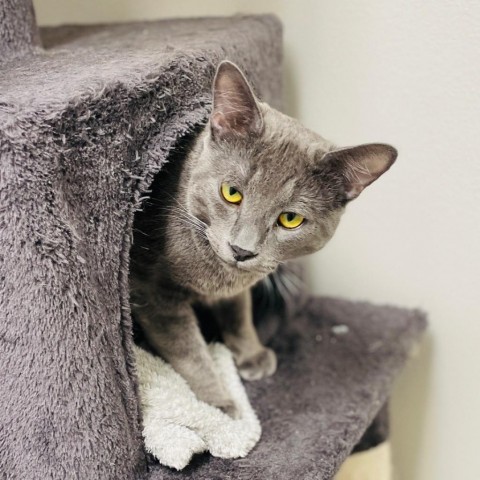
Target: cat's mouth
(228, 259)
(247, 266)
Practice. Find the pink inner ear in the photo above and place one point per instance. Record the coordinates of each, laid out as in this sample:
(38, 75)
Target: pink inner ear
(235, 110)
(361, 173)
(354, 191)
(376, 165)
(364, 165)
(219, 122)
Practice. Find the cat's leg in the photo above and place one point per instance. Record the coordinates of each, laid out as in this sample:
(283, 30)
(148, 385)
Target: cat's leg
(234, 316)
(172, 331)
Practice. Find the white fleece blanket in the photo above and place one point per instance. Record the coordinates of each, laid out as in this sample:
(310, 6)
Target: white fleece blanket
(176, 425)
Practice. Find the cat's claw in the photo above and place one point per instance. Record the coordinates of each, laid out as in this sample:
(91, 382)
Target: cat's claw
(262, 364)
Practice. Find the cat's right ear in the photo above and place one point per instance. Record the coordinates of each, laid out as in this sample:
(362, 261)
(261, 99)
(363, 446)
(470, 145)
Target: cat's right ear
(357, 167)
(235, 110)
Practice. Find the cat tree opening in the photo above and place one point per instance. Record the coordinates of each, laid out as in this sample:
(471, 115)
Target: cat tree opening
(84, 127)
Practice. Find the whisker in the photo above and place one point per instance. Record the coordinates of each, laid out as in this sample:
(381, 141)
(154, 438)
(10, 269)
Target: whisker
(287, 279)
(200, 229)
(182, 207)
(191, 218)
(284, 293)
(184, 213)
(270, 291)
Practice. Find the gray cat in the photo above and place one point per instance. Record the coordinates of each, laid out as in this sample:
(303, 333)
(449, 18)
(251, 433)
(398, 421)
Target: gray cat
(255, 189)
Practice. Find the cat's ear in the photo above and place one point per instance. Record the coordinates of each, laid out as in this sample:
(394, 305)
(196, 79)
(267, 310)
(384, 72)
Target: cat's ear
(359, 166)
(235, 110)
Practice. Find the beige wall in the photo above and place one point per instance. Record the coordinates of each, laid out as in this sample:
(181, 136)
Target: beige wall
(407, 72)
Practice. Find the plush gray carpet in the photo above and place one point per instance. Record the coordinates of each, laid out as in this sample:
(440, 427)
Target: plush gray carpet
(337, 361)
(84, 126)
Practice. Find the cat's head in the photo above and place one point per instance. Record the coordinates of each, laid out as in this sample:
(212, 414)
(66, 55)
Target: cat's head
(268, 188)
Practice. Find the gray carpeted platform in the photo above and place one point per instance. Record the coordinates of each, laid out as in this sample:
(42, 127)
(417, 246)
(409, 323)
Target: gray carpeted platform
(337, 362)
(84, 126)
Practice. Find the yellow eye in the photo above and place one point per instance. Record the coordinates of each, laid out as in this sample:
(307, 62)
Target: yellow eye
(290, 220)
(231, 194)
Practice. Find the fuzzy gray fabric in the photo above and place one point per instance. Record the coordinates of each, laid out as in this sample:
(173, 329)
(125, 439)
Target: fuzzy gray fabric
(337, 360)
(18, 30)
(84, 126)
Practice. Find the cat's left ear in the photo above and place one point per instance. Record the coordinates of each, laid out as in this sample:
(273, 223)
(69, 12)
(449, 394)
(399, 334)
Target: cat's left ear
(235, 110)
(359, 166)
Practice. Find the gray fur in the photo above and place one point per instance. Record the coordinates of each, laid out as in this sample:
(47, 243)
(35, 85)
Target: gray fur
(279, 166)
(84, 127)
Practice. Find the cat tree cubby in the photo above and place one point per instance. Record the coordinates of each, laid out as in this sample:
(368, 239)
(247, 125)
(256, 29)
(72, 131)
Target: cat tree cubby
(88, 116)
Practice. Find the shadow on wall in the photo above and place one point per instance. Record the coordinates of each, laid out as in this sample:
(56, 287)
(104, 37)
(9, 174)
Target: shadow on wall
(290, 89)
(410, 412)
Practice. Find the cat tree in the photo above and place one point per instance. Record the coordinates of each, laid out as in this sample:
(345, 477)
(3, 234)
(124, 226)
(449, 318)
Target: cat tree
(86, 121)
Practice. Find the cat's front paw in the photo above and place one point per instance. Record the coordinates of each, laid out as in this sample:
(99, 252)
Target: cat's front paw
(220, 400)
(261, 365)
(230, 409)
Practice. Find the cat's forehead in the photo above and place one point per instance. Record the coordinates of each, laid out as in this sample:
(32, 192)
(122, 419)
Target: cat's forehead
(287, 135)
(286, 150)
(280, 160)
(285, 175)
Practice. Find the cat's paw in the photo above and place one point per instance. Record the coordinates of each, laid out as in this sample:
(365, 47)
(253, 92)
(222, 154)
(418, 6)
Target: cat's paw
(230, 409)
(217, 396)
(261, 365)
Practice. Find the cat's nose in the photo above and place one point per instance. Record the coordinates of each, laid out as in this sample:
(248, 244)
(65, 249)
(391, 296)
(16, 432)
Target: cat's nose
(240, 254)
